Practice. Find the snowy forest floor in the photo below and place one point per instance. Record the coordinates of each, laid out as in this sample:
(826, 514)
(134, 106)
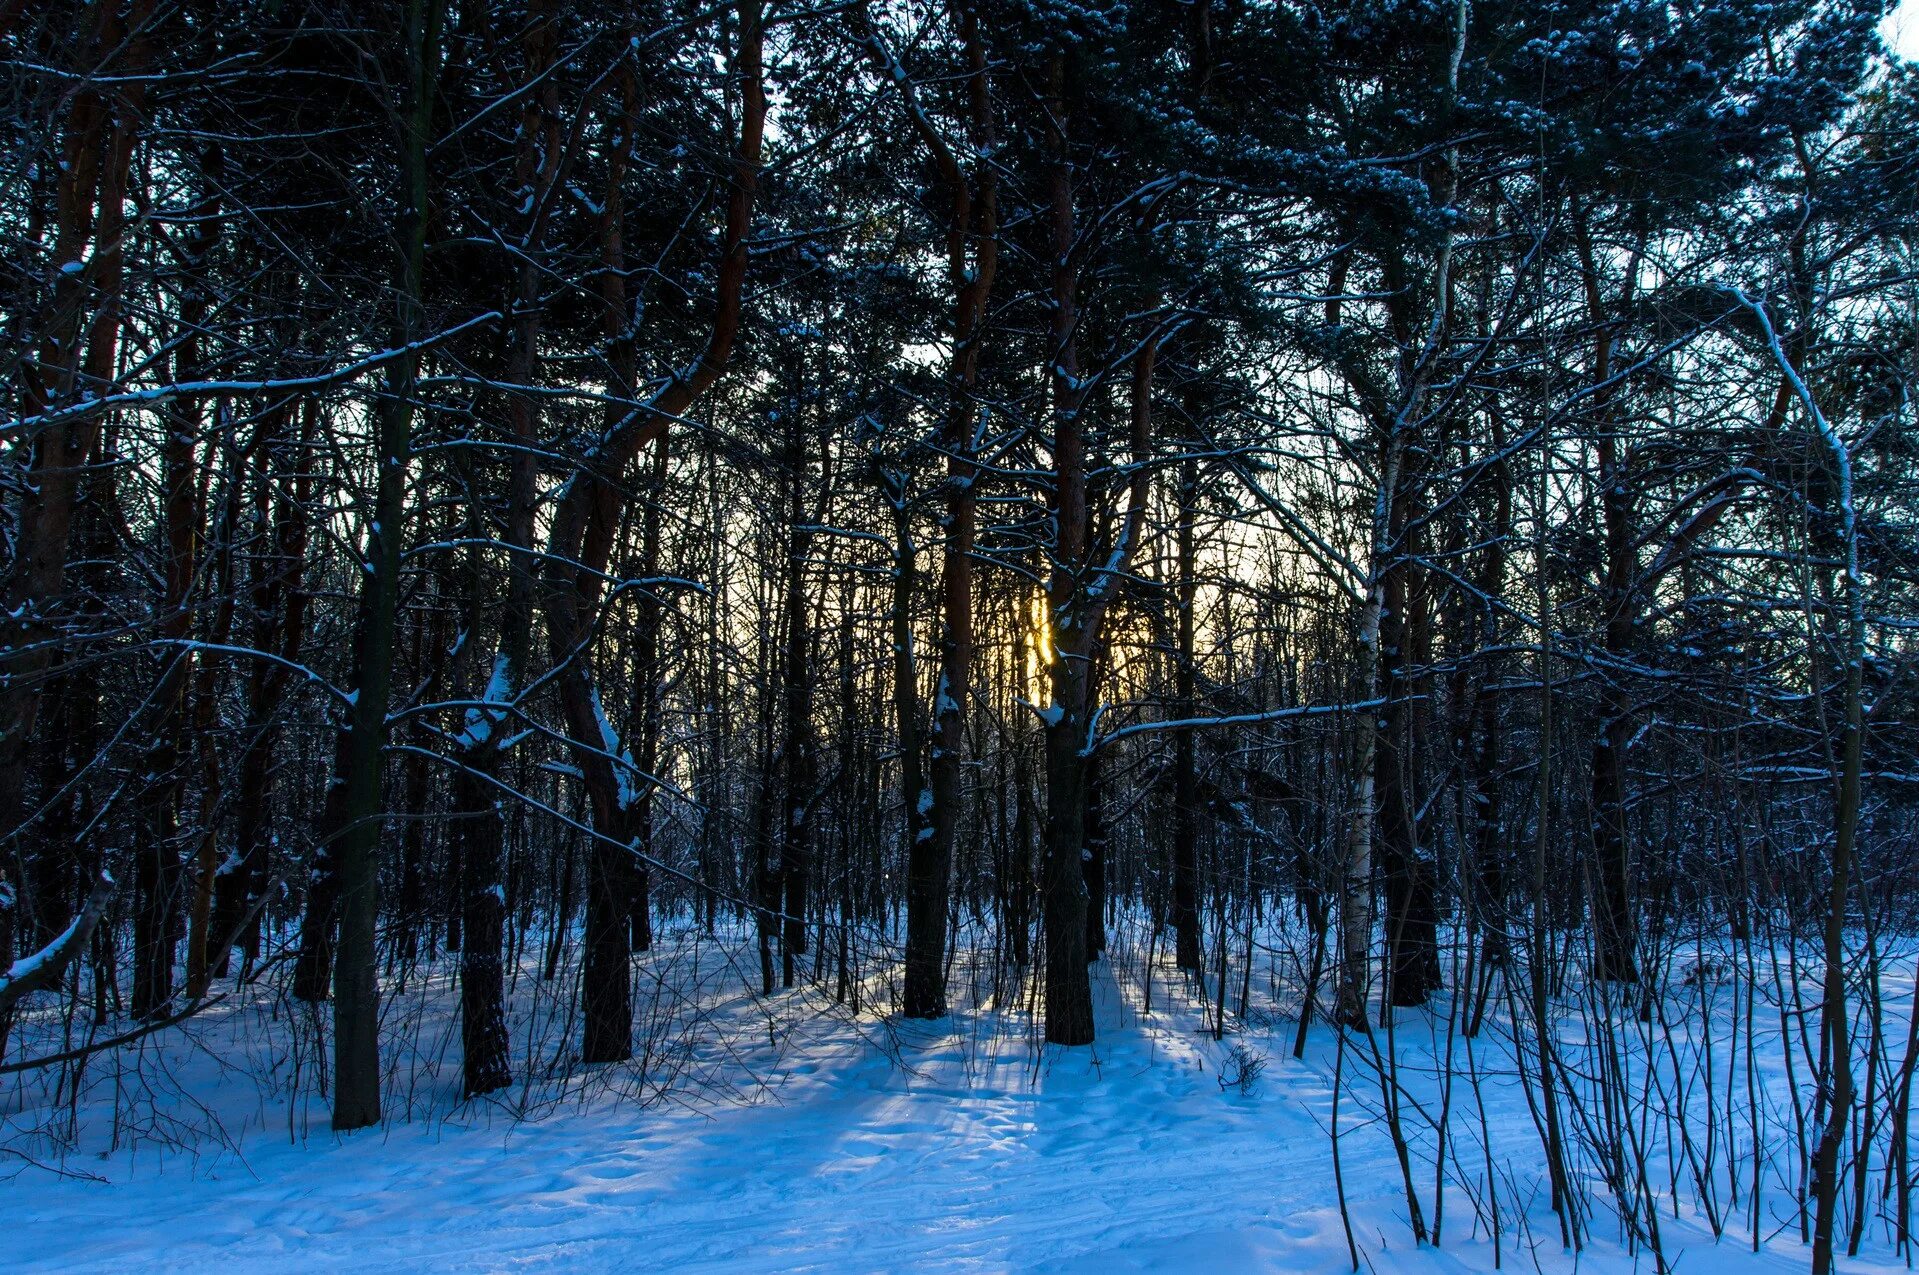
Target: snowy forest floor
(809, 1139)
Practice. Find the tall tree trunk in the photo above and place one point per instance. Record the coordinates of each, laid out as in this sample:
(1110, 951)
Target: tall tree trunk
(972, 255)
(278, 607)
(1412, 954)
(206, 717)
(1480, 748)
(923, 991)
(477, 788)
(796, 684)
(1093, 862)
(649, 675)
(78, 358)
(580, 545)
(1069, 995)
(1356, 878)
(1186, 803)
(1613, 918)
(1836, 1085)
(351, 823)
(1836, 1082)
(1078, 593)
(1613, 922)
(159, 835)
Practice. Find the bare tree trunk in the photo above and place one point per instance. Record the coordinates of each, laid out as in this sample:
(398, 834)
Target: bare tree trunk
(278, 606)
(1412, 954)
(477, 789)
(648, 677)
(1069, 995)
(1613, 919)
(157, 864)
(796, 710)
(580, 545)
(79, 356)
(972, 255)
(1480, 745)
(1186, 803)
(1356, 881)
(351, 824)
(205, 833)
(1836, 1085)
(1539, 959)
(1078, 594)
(923, 990)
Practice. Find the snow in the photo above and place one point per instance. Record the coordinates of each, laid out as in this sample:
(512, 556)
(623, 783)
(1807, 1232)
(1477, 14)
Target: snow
(32, 963)
(478, 726)
(623, 769)
(841, 1142)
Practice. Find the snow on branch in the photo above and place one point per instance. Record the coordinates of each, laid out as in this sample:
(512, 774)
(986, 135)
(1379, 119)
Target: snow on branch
(1237, 719)
(161, 394)
(42, 969)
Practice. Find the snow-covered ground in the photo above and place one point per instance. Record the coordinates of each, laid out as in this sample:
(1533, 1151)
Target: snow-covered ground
(858, 1144)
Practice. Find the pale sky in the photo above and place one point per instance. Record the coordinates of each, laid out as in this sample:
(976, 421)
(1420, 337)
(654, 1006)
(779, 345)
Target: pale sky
(1901, 29)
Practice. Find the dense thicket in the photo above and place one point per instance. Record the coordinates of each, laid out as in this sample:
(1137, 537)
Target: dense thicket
(904, 477)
